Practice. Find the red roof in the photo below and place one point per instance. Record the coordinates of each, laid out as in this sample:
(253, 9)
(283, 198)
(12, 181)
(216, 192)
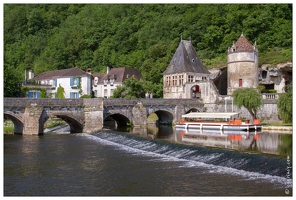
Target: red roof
(242, 44)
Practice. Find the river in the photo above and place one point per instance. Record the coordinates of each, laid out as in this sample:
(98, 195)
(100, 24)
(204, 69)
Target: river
(146, 162)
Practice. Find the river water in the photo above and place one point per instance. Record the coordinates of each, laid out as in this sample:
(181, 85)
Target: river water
(146, 162)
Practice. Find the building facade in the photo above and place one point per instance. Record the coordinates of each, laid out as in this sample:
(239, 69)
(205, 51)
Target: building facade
(185, 77)
(105, 83)
(74, 81)
(242, 65)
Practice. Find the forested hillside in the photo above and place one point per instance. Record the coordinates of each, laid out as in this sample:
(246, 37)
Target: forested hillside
(47, 37)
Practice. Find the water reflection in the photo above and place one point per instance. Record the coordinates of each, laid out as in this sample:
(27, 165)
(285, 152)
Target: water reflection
(257, 142)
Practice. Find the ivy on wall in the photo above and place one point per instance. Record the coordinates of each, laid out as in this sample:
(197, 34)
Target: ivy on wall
(25, 90)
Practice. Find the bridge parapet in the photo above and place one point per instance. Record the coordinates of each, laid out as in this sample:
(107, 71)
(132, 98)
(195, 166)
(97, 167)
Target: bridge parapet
(154, 101)
(24, 102)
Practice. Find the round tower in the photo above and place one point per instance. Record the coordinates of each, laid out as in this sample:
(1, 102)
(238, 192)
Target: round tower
(242, 65)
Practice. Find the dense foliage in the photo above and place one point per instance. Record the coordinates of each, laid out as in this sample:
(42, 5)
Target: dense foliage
(249, 98)
(47, 37)
(285, 104)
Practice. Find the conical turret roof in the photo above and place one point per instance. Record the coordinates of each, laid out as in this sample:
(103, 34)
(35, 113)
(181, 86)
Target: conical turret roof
(242, 44)
(185, 59)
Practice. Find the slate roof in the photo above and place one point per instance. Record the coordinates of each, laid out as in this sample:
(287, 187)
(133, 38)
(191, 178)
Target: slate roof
(61, 73)
(119, 74)
(242, 44)
(185, 59)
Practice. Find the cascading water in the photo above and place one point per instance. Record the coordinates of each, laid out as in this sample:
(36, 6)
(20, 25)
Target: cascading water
(213, 159)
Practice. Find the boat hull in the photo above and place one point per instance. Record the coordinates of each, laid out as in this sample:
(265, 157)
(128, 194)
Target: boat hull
(242, 127)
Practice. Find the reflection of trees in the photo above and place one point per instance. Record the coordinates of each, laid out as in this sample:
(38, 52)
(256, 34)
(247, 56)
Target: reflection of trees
(253, 145)
(286, 147)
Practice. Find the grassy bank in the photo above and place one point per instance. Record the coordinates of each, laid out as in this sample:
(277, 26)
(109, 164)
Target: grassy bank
(8, 130)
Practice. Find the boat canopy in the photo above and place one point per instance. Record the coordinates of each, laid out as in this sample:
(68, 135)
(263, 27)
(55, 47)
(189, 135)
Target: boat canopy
(209, 115)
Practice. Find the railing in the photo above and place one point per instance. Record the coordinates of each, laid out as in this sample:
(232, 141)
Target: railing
(270, 95)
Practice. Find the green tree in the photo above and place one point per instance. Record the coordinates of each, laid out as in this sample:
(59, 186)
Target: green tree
(60, 92)
(285, 104)
(249, 98)
(119, 92)
(132, 88)
(11, 88)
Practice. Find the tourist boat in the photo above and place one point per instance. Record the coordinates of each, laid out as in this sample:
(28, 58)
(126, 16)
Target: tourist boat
(217, 121)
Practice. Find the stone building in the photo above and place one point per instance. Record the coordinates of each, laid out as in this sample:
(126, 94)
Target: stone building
(242, 65)
(185, 77)
(276, 77)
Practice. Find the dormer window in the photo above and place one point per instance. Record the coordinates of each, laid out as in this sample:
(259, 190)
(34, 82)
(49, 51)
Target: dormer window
(96, 80)
(105, 82)
(112, 81)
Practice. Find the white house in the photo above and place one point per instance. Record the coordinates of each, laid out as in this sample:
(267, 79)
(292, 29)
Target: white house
(74, 81)
(105, 83)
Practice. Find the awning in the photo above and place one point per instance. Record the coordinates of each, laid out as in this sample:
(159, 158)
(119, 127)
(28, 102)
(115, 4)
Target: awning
(209, 115)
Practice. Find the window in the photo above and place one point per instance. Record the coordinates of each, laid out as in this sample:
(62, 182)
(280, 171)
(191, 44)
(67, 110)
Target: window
(168, 81)
(55, 83)
(174, 80)
(105, 93)
(74, 81)
(96, 80)
(74, 95)
(111, 82)
(180, 79)
(34, 94)
(190, 78)
(240, 82)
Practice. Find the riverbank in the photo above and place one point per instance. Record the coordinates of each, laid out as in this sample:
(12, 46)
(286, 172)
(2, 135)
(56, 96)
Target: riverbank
(284, 129)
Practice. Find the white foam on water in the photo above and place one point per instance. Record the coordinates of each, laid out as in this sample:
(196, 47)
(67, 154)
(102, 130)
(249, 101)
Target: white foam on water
(135, 147)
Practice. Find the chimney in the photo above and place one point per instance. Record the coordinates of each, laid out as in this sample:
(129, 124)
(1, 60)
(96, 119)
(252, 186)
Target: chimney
(88, 70)
(31, 74)
(108, 69)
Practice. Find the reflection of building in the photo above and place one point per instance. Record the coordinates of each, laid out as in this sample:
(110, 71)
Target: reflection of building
(185, 74)
(225, 139)
(105, 83)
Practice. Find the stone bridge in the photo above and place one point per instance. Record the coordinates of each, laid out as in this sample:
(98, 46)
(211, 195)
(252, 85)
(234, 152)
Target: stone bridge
(88, 115)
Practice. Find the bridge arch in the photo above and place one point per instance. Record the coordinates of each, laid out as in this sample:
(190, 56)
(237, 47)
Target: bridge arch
(164, 117)
(120, 119)
(74, 124)
(17, 122)
(192, 110)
